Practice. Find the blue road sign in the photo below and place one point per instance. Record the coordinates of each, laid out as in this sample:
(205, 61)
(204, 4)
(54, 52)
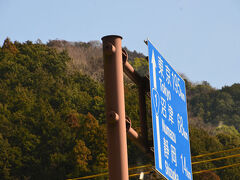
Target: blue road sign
(169, 119)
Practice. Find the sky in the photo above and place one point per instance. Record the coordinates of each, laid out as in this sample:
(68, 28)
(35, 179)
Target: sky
(199, 38)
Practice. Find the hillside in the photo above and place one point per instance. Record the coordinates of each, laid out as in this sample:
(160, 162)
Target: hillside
(87, 57)
(52, 120)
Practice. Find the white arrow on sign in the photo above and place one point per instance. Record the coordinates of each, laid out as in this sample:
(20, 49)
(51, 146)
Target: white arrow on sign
(156, 106)
(154, 71)
(158, 140)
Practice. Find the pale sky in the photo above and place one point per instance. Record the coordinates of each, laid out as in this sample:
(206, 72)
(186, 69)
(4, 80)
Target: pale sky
(199, 38)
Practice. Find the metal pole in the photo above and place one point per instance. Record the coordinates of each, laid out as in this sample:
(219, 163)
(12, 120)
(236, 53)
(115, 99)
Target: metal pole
(143, 114)
(129, 70)
(115, 108)
(141, 82)
(136, 139)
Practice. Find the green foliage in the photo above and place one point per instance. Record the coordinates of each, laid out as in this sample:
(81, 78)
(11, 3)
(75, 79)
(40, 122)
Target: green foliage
(228, 136)
(215, 106)
(202, 143)
(47, 124)
(140, 65)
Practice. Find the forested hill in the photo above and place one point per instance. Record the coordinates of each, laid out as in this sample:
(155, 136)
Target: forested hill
(52, 121)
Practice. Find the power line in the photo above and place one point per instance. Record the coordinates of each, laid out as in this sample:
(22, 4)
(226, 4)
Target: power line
(209, 154)
(213, 169)
(89, 177)
(106, 173)
(198, 162)
(148, 172)
(138, 167)
(216, 159)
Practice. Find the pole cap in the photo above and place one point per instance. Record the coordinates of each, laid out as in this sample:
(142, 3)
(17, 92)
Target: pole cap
(110, 36)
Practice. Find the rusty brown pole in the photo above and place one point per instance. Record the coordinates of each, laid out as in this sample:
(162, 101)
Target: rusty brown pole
(141, 82)
(137, 140)
(115, 108)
